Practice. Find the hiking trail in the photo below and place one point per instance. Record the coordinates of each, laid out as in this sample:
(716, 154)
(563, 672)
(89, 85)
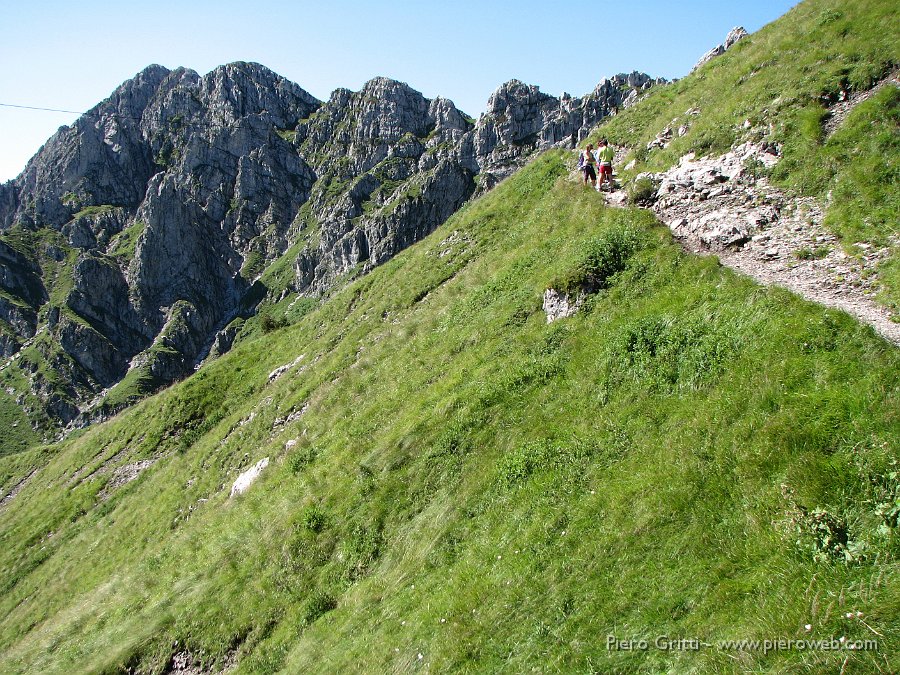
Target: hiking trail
(719, 206)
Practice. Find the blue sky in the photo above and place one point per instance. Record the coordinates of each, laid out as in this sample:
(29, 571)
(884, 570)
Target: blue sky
(71, 55)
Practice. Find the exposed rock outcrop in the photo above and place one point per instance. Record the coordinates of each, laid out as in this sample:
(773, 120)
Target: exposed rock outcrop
(734, 35)
(521, 120)
(726, 206)
(248, 477)
(137, 235)
(560, 305)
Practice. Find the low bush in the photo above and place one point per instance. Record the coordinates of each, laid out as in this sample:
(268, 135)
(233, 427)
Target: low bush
(599, 259)
(641, 192)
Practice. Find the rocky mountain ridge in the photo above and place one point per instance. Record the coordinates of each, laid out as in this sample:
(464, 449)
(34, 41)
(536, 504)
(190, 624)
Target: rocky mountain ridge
(141, 235)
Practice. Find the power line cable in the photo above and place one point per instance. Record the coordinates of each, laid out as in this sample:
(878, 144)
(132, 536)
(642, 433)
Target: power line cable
(208, 125)
(32, 107)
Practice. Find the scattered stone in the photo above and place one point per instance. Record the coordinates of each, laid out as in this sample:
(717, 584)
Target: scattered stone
(125, 474)
(16, 489)
(188, 663)
(560, 305)
(662, 140)
(281, 370)
(723, 235)
(246, 479)
(292, 417)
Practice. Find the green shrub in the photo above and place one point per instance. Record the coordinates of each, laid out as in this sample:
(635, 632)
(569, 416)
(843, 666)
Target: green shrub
(536, 457)
(641, 192)
(301, 458)
(270, 323)
(516, 466)
(314, 518)
(755, 168)
(359, 551)
(600, 258)
(667, 352)
(253, 264)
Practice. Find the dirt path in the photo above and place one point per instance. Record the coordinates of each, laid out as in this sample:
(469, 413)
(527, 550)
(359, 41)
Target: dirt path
(718, 206)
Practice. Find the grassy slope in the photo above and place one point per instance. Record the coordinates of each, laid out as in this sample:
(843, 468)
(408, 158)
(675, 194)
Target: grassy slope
(782, 80)
(469, 484)
(478, 487)
(17, 432)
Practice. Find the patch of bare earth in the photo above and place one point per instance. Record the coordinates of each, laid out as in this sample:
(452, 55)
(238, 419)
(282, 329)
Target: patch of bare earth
(188, 663)
(122, 475)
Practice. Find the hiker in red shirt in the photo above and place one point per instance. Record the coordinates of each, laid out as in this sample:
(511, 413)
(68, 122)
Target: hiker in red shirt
(605, 156)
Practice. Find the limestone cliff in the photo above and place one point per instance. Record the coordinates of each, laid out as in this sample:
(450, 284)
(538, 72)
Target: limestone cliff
(135, 236)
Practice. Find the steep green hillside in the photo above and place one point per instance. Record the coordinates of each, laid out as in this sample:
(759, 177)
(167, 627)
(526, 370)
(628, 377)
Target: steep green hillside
(17, 432)
(782, 85)
(457, 485)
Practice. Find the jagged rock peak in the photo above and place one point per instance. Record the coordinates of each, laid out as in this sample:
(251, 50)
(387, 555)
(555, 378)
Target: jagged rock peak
(391, 108)
(382, 112)
(239, 89)
(153, 75)
(734, 35)
(521, 120)
(515, 92)
(389, 85)
(216, 176)
(130, 98)
(244, 72)
(635, 80)
(445, 115)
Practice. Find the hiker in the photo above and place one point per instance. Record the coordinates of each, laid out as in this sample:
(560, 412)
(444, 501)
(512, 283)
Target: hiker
(586, 163)
(605, 156)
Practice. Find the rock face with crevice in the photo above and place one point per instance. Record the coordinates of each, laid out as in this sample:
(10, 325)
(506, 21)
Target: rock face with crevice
(136, 237)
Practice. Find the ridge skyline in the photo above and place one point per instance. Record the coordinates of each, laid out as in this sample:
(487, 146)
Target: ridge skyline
(478, 49)
(373, 79)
